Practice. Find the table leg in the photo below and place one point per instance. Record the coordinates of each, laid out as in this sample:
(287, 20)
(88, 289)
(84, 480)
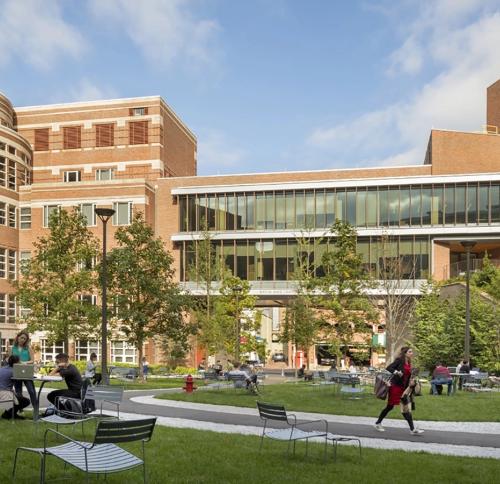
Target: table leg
(37, 397)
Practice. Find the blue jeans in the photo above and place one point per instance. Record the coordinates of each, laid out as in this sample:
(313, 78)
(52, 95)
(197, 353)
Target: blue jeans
(441, 381)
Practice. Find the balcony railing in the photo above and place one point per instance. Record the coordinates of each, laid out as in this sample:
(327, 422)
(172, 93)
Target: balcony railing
(459, 268)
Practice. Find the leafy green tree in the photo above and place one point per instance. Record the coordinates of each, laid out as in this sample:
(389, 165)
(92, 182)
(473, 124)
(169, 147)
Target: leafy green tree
(235, 317)
(303, 324)
(141, 282)
(342, 299)
(58, 278)
(488, 278)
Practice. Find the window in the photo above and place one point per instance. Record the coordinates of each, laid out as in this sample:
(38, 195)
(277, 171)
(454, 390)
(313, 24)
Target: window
(25, 218)
(122, 352)
(2, 213)
(24, 259)
(50, 351)
(88, 212)
(2, 171)
(12, 150)
(12, 216)
(88, 299)
(104, 135)
(123, 213)
(5, 343)
(72, 176)
(48, 210)
(12, 308)
(138, 132)
(72, 137)
(3, 262)
(104, 174)
(2, 146)
(12, 175)
(12, 265)
(42, 139)
(138, 111)
(3, 312)
(83, 349)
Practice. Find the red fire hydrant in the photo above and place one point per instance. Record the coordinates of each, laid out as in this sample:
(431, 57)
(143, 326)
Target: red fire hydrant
(189, 385)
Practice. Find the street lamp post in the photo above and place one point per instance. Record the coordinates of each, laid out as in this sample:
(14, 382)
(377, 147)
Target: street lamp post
(237, 292)
(104, 214)
(467, 245)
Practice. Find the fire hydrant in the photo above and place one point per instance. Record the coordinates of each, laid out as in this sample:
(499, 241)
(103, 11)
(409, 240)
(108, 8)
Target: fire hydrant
(189, 385)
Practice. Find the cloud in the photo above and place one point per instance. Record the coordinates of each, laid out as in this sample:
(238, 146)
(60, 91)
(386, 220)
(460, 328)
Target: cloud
(462, 52)
(35, 31)
(216, 154)
(85, 90)
(165, 31)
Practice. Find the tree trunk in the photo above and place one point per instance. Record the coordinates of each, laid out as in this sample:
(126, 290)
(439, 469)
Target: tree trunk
(141, 367)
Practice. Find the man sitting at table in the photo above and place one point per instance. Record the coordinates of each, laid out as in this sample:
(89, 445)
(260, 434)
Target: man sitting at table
(71, 376)
(441, 376)
(6, 389)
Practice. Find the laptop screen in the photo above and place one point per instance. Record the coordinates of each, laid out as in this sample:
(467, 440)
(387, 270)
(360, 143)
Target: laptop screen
(23, 372)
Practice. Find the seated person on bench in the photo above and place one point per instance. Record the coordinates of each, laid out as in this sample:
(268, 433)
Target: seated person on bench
(71, 376)
(6, 386)
(249, 378)
(441, 376)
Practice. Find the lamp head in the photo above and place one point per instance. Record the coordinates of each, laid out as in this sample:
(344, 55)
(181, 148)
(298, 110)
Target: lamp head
(104, 213)
(468, 244)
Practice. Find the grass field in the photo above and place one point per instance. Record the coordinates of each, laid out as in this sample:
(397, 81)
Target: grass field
(464, 406)
(192, 456)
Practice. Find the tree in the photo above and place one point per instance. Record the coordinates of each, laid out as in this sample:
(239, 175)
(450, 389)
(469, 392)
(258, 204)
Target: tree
(205, 271)
(141, 281)
(57, 283)
(302, 323)
(395, 281)
(341, 292)
(235, 317)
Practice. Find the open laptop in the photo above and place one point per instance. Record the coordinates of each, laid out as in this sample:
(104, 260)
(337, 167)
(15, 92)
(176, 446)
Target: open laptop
(23, 372)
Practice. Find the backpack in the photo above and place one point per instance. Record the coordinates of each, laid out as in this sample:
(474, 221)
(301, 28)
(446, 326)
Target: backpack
(381, 387)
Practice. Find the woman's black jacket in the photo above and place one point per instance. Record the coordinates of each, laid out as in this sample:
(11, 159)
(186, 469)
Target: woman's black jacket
(398, 365)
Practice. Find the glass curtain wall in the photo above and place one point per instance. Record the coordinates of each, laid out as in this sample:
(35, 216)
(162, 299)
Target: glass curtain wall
(280, 259)
(403, 206)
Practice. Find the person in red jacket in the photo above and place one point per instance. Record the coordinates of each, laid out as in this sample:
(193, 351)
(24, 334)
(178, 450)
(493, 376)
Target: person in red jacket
(400, 390)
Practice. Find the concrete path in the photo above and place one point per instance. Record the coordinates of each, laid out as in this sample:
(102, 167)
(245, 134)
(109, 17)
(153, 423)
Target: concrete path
(480, 439)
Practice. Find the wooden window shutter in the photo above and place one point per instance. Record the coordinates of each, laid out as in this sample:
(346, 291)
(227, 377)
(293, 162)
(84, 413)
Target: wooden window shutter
(104, 134)
(138, 132)
(42, 139)
(72, 137)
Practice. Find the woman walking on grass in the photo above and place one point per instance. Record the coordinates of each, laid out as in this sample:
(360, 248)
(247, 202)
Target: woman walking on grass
(401, 387)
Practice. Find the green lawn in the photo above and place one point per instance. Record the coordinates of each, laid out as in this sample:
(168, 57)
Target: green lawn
(192, 456)
(464, 406)
(151, 384)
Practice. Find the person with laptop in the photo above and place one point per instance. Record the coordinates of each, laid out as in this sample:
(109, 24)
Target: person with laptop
(6, 389)
(22, 349)
(71, 376)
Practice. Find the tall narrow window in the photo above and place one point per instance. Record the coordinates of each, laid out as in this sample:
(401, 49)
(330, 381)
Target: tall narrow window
(12, 216)
(3, 309)
(42, 139)
(12, 175)
(3, 263)
(72, 137)
(138, 132)
(12, 267)
(104, 135)
(3, 214)
(48, 210)
(123, 213)
(88, 212)
(2, 171)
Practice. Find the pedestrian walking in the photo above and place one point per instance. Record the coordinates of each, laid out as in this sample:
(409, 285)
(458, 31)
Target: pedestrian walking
(402, 385)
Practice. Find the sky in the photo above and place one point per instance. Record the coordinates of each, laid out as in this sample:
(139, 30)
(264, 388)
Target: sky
(267, 85)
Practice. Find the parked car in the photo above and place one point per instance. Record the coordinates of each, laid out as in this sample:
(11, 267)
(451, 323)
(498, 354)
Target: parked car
(278, 357)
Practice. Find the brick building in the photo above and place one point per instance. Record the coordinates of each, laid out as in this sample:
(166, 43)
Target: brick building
(135, 154)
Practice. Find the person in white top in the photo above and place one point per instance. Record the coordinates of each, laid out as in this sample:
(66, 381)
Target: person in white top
(90, 370)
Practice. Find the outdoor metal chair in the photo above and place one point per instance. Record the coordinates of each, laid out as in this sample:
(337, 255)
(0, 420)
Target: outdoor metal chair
(102, 456)
(291, 431)
(110, 394)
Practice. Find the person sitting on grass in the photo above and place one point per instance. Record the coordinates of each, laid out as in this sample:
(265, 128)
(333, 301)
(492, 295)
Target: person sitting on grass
(71, 376)
(6, 389)
(250, 379)
(441, 376)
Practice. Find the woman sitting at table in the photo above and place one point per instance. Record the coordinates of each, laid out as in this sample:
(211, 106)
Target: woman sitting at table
(22, 349)
(6, 393)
